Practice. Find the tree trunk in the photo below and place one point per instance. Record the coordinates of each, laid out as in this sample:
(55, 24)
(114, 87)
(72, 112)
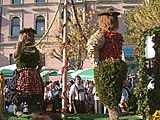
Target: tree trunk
(113, 113)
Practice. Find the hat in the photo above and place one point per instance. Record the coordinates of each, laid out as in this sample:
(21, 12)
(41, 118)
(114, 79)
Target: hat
(108, 11)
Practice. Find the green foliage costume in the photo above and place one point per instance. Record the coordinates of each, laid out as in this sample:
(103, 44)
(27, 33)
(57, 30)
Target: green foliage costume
(105, 50)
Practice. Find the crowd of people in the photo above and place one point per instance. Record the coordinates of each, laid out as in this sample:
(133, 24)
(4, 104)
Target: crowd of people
(81, 96)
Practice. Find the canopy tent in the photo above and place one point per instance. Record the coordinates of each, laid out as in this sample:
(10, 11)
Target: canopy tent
(44, 73)
(8, 70)
(13, 67)
(50, 73)
(9, 67)
(86, 74)
(59, 73)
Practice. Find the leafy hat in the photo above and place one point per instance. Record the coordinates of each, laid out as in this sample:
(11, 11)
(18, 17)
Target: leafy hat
(108, 11)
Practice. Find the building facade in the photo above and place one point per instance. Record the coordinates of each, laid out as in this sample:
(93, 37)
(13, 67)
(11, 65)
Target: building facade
(38, 14)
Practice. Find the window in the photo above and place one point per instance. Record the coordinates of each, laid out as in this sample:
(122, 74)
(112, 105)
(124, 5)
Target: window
(11, 60)
(15, 26)
(16, 1)
(40, 0)
(40, 25)
(62, 14)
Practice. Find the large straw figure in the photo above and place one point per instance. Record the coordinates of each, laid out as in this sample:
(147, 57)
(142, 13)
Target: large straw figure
(105, 50)
(29, 62)
(2, 84)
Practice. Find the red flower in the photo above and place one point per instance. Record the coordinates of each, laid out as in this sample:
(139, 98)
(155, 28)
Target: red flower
(112, 48)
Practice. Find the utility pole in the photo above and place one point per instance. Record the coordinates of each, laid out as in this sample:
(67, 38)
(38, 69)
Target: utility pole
(65, 61)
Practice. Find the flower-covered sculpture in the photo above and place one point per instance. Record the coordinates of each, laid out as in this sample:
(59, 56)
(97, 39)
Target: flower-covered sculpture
(29, 61)
(106, 43)
(105, 50)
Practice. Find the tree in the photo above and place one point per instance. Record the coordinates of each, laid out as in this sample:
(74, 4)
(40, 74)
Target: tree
(76, 44)
(141, 18)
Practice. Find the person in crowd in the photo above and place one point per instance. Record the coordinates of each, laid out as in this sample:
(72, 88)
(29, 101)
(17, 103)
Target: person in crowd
(25, 108)
(2, 85)
(89, 88)
(58, 104)
(77, 97)
(12, 108)
(97, 103)
(55, 94)
(28, 83)
(126, 92)
(48, 98)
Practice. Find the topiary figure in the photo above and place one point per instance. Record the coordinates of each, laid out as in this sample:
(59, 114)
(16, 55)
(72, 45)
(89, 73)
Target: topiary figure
(27, 84)
(105, 50)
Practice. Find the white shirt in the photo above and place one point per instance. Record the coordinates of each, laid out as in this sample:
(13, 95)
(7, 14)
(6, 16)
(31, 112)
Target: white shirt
(95, 94)
(48, 94)
(74, 92)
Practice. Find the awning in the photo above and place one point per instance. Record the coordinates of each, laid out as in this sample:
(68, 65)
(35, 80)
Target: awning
(53, 73)
(86, 74)
(7, 71)
(44, 73)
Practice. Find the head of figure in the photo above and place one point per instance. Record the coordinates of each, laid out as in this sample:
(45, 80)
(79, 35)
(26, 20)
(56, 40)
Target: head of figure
(108, 19)
(78, 80)
(27, 36)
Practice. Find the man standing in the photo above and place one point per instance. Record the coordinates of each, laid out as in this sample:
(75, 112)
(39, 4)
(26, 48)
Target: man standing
(77, 97)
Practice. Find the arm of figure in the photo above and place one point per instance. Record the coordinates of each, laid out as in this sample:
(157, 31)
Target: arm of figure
(20, 44)
(95, 42)
(41, 62)
(17, 51)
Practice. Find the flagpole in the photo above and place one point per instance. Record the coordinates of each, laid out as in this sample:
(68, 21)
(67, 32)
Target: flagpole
(65, 62)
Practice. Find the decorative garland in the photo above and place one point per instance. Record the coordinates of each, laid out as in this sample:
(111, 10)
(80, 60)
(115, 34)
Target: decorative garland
(147, 103)
(47, 31)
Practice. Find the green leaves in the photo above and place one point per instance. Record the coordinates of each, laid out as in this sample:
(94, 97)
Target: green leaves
(140, 18)
(109, 77)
